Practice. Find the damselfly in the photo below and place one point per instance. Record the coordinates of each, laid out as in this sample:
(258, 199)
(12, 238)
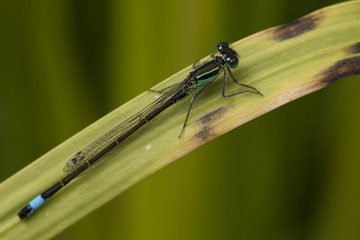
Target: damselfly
(200, 78)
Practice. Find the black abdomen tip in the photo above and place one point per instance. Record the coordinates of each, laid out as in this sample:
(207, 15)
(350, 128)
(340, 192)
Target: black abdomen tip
(24, 212)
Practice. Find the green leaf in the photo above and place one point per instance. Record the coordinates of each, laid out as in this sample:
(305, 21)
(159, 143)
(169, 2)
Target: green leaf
(284, 63)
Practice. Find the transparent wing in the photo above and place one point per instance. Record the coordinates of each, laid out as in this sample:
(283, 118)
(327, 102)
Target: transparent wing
(102, 142)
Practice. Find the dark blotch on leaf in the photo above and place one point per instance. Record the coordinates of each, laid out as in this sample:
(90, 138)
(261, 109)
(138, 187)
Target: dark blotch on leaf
(296, 28)
(212, 116)
(206, 132)
(341, 69)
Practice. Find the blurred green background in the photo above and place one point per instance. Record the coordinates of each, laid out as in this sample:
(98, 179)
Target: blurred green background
(291, 174)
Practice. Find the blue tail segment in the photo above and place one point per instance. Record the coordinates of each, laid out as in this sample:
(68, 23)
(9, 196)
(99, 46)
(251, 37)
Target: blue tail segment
(31, 207)
(42, 198)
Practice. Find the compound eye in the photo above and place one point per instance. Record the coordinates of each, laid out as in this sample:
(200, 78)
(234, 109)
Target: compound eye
(221, 47)
(232, 61)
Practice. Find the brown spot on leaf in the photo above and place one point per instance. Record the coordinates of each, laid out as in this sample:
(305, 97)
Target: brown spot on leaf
(341, 69)
(297, 27)
(206, 132)
(213, 116)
